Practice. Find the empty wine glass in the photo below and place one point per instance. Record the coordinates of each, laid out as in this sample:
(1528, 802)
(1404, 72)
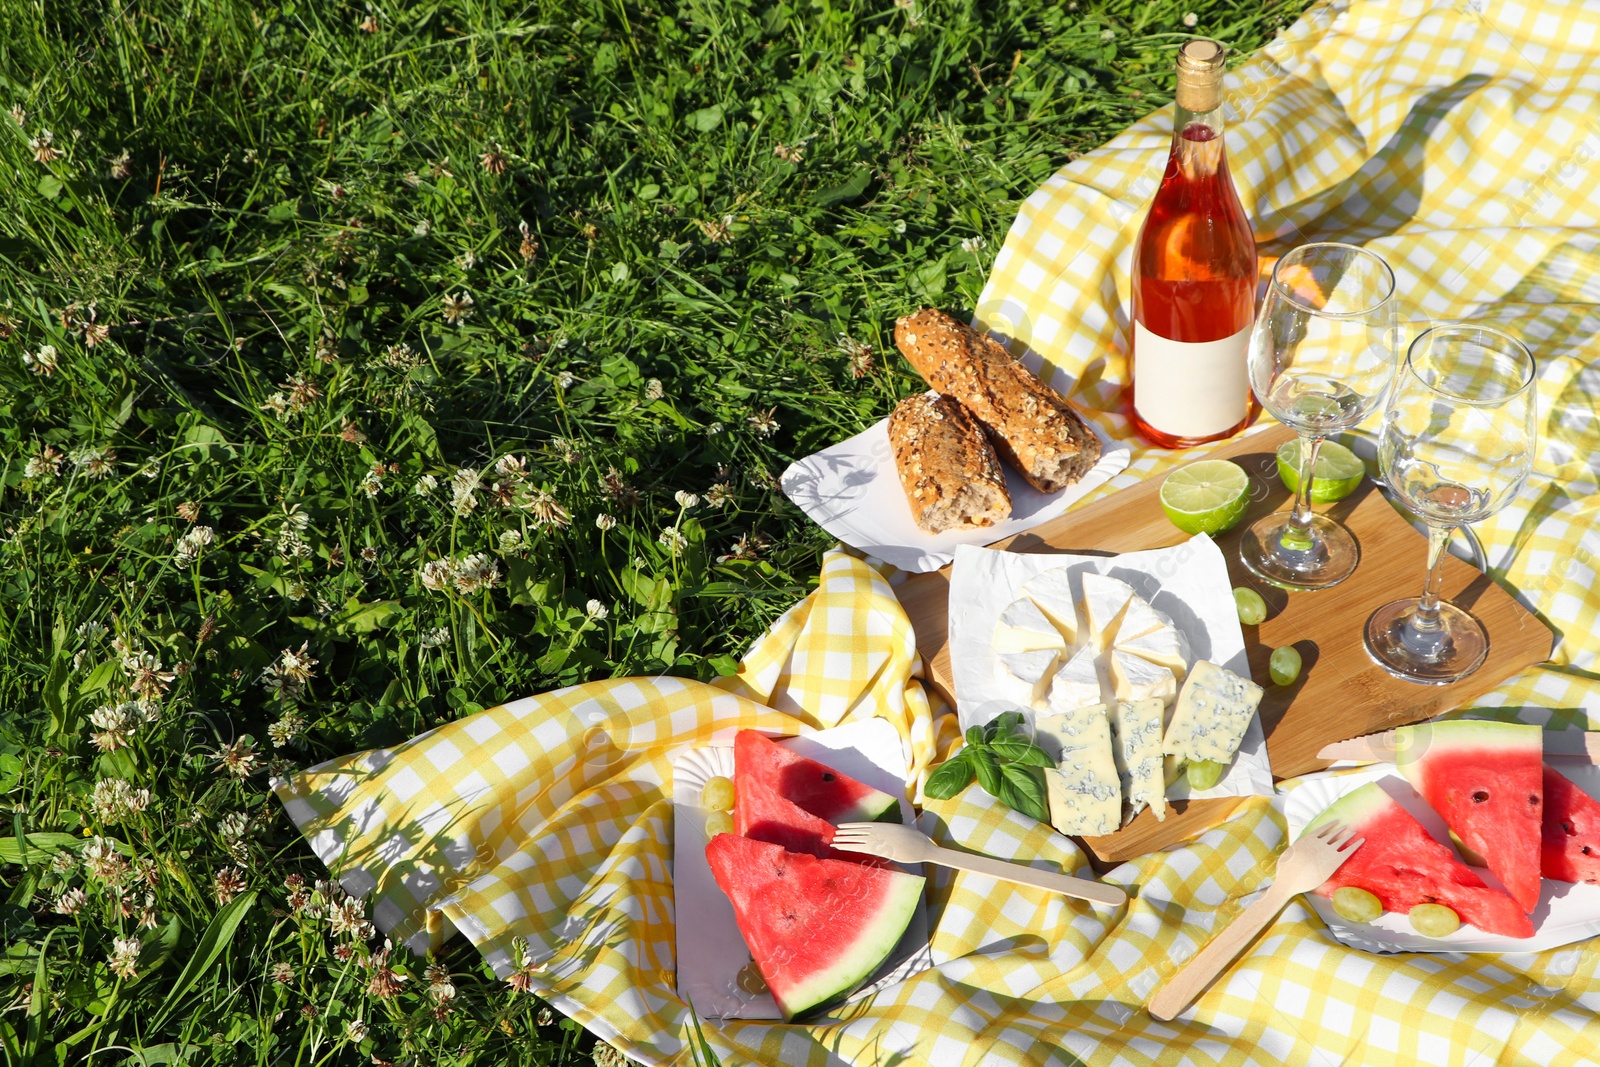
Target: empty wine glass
(1456, 446)
(1322, 355)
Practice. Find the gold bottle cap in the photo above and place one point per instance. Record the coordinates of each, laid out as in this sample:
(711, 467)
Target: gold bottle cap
(1200, 64)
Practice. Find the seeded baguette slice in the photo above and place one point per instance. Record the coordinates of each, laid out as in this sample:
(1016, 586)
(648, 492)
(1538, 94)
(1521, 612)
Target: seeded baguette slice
(951, 475)
(1034, 429)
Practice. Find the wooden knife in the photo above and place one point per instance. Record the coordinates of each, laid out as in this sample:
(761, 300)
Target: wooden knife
(1379, 748)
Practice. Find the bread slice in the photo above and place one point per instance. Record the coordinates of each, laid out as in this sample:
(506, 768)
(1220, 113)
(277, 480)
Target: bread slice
(1034, 428)
(951, 475)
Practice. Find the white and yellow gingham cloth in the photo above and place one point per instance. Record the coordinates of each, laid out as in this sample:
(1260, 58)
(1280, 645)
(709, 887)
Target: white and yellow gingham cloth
(1462, 142)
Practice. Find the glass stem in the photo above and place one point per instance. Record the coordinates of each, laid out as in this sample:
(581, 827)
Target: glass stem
(1426, 618)
(1297, 531)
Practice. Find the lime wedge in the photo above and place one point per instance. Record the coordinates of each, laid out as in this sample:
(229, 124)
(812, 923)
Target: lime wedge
(1206, 496)
(1339, 471)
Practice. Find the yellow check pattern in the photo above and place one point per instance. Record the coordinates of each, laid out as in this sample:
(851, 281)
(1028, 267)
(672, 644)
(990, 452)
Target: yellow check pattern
(1462, 142)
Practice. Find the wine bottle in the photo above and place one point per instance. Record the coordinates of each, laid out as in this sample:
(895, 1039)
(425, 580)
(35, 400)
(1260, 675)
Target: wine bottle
(1194, 277)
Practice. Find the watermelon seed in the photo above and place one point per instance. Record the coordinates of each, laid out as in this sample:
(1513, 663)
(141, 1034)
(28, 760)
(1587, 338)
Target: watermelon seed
(827, 777)
(1533, 801)
(1480, 796)
(1587, 851)
(1567, 826)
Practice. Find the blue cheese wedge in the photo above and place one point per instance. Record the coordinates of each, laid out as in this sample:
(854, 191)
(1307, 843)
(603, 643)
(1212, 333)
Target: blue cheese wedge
(1103, 602)
(1075, 685)
(1213, 711)
(1051, 592)
(1133, 678)
(1136, 744)
(1083, 789)
(1030, 674)
(1024, 628)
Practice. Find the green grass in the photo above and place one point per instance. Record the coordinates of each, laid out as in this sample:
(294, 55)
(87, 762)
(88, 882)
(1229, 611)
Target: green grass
(685, 233)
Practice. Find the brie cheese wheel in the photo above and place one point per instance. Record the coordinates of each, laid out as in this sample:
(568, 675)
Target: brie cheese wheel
(1164, 646)
(1032, 671)
(1024, 628)
(1052, 593)
(1133, 678)
(1136, 734)
(1212, 714)
(1075, 685)
(1103, 602)
(1083, 789)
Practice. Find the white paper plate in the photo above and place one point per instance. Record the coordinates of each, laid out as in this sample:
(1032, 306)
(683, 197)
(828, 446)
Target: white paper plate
(1188, 582)
(711, 951)
(1566, 912)
(853, 491)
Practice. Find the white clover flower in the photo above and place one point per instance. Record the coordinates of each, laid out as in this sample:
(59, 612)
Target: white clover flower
(653, 390)
(510, 540)
(564, 380)
(124, 958)
(191, 544)
(114, 800)
(70, 902)
(437, 575)
(715, 428)
(422, 228)
(719, 495)
(543, 510)
(1190, 19)
(435, 637)
(596, 610)
(464, 490)
(43, 361)
(287, 729)
(457, 308)
(673, 540)
(605, 522)
(972, 244)
(763, 423)
(425, 485)
(476, 572)
(356, 1030)
(685, 499)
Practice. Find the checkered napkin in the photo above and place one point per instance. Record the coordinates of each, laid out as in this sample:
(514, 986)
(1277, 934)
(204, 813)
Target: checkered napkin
(1462, 142)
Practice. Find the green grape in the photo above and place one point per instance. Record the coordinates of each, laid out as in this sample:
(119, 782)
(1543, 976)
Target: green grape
(1434, 920)
(1204, 773)
(719, 822)
(1354, 904)
(717, 795)
(1252, 609)
(1284, 666)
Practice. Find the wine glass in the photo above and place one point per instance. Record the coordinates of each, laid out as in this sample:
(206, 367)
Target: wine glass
(1456, 446)
(1322, 355)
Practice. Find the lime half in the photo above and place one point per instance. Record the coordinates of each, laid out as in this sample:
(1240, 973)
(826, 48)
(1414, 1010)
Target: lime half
(1339, 471)
(1206, 496)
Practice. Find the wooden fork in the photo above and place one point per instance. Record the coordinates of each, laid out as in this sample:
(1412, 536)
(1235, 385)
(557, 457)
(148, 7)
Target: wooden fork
(1304, 865)
(906, 844)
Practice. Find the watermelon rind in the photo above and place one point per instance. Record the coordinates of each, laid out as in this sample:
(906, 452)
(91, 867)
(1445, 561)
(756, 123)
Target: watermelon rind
(1403, 866)
(756, 874)
(1485, 779)
(814, 786)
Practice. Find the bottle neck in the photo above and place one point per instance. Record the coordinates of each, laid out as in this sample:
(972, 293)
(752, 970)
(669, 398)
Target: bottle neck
(1197, 143)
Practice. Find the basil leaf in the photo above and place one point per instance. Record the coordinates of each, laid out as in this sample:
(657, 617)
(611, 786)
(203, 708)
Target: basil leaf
(988, 769)
(975, 736)
(949, 778)
(1026, 753)
(1002, 725)
(1023, 789)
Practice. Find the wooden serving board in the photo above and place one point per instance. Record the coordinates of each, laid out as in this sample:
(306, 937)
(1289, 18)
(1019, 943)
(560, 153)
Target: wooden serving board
(1341, 693)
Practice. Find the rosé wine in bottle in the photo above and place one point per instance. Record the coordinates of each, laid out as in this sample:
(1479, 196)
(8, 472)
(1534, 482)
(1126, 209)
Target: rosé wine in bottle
(1194, 277)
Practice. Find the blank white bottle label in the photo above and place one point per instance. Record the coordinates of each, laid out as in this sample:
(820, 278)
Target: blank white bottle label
(1190, 389)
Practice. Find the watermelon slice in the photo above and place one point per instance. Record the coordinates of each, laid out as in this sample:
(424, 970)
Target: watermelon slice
(816, 928)
(1486, 780)
(815, 787)
(1571, 844)
(1403, 867)
(760, 813)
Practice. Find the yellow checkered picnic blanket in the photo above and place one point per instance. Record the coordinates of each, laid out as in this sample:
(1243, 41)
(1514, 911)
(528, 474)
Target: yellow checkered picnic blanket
(1462, 142)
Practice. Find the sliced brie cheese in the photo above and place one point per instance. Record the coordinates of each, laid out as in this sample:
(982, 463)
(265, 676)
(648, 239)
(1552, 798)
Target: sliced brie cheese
(1052, 593)
(1212, 713)
(1075, 685)
(1084, 791)
(1136, 730)
(1133, 678)
(1103, 601)
(1140, 619)
(1164, 645)
(1024, 628)
(1032, 671)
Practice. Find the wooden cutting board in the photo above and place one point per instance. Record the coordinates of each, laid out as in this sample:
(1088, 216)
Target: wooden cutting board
(1341, 693)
